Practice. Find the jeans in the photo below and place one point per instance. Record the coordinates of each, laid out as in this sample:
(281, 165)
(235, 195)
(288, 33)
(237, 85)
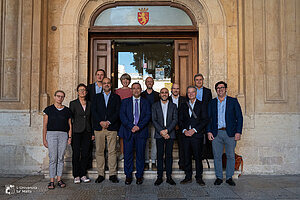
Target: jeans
(221, 140)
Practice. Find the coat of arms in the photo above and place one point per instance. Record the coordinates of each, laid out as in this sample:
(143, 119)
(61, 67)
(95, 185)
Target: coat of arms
(143, 16)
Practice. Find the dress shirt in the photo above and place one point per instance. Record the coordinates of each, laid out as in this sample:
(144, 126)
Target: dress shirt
(199, 94)
(106, 98)
(139, 103)
(164, 107)
(221, 113)
(98, 89)
(191, 113)
(175, 100)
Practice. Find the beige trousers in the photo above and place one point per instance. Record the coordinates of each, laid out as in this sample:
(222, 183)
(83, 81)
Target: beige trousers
(111, 137)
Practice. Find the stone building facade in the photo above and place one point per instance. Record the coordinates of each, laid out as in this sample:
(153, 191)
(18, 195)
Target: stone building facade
(254, 45)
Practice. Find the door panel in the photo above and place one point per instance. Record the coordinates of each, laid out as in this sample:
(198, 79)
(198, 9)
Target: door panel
(184, 67)
(101, 57)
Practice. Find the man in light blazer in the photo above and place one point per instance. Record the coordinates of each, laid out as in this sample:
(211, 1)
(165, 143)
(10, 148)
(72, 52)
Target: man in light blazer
(224, 129)
(106, 110)
(135, 114)
(164, 119)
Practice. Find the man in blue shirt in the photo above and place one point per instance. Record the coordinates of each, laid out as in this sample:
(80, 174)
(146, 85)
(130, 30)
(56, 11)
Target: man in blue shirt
(224, 129)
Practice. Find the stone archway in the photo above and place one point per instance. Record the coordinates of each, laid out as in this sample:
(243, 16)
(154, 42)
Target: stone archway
(75, 23)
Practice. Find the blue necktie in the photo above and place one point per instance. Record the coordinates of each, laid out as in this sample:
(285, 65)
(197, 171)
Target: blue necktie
(136, 112)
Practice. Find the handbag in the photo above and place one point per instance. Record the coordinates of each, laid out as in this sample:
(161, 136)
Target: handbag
(238, 162)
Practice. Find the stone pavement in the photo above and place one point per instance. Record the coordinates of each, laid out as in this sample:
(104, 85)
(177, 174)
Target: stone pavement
(248, 187)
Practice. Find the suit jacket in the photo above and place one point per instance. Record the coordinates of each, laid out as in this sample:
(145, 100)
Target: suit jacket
(126, 116)
(81, 119)
(110, 113)
(158, 119)
(233, 117)
(185, 121)
(207, 96)
(180, 101)
(91, 92)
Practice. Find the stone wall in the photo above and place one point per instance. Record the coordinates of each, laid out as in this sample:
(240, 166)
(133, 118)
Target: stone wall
(253, 45)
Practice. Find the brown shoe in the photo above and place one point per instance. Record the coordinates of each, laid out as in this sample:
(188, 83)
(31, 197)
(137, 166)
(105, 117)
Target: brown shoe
(139, 181)
(128, 181)
(146, 166)
(185, 181)
(154, 168)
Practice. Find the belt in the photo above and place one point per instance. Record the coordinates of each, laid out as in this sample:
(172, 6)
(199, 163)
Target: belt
(223, 129)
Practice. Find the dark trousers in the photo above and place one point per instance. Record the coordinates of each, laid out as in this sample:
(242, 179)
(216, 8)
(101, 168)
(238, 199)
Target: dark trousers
(164, 147)
(140, 144)
(80, 146)
(193, 147)
(180, 136)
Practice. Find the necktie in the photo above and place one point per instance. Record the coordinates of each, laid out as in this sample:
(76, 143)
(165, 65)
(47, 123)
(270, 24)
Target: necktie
(136, 112)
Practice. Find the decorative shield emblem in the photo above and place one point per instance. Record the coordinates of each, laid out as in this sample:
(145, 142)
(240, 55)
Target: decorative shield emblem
(143, 16)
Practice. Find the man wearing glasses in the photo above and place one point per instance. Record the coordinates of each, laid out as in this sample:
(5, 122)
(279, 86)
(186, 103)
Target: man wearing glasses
(224, 128)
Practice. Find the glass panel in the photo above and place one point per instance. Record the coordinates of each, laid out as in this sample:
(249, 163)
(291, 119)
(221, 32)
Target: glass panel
(135, 16)
(141, 60)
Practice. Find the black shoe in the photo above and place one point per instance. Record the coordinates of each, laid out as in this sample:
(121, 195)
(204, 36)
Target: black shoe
(186, 180)
(114, 179)
(218, 181)
(154, 168)
(128, 181)
(139, 181)
(171, 181)
(146, 166)
(99, 179)
(200, 181)
(230, 182)
(158, 181)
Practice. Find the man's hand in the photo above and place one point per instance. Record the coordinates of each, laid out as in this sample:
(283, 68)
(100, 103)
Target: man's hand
(104, 124)
(165, 134)
(210, 136)
(135, 129)
(192, 132)
(237, 136)
(45, 142)
(187, 133)
(93, 137)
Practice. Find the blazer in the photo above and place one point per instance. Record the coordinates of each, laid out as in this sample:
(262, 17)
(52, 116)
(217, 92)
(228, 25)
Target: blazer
(91, 92)
(81, 119)
(207, 96)
(180, 101)
(110, 113)
(185, 121)
(233, 117)
(158, 119)
(126, 116)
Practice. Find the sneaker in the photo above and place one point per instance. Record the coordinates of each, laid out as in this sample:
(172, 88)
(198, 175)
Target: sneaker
(77, 180)
(85, 179)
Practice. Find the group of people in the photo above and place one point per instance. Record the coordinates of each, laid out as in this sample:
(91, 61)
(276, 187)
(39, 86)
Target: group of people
(139, 118)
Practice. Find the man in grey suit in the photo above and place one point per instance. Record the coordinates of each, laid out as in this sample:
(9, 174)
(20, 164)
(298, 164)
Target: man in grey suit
(164, 118)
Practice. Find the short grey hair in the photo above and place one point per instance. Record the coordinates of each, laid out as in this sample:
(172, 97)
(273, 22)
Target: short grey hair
(191, 86)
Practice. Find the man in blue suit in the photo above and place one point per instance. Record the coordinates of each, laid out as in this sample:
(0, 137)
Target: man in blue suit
(135, 115)
(224, 128)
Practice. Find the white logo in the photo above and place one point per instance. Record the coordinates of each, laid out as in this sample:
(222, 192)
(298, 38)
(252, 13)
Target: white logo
(10, 189)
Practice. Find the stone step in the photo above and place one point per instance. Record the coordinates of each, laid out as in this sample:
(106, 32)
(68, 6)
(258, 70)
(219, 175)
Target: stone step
(68, 163)
(149, 174)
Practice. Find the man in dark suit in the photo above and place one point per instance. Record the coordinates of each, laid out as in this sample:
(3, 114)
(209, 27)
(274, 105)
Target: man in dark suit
(178, 101)
(164, 119)
(93, 89)
(106, 110)
(192, 120)
(152, 96)
(96, 88)
(135, 115)
(224, 129)
(204, 95)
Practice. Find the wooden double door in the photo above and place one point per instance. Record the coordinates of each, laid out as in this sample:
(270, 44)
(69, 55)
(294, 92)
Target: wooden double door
(184, 58)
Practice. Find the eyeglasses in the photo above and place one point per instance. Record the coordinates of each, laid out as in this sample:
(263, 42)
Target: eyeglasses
(59, 96)
(219, 88)
(81, 90)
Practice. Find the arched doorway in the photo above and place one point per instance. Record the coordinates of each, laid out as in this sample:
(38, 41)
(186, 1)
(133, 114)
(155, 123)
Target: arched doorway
(144, 39)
